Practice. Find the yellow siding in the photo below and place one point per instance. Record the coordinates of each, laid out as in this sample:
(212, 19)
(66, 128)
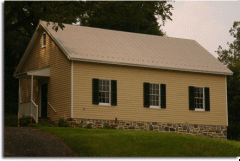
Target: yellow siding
(130, 94)
(59, 83)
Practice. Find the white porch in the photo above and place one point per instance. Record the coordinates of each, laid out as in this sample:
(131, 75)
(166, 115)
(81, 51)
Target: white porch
(30, 108)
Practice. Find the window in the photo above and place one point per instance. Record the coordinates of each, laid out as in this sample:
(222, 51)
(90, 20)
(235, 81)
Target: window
(104, 92)
(44, 40)
(154, 95)
(199, 99)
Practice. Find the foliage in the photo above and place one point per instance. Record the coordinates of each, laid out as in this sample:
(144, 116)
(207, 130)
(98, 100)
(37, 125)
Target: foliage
(231, 58)
(11, 120)
(62, 123)
(108, 127)
(44, 124)
(89, 126)
(133, 143)
(32, 125)
(24, 121)
(140, 17)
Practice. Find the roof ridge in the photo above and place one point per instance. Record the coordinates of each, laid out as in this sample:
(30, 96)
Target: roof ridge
(125, 31)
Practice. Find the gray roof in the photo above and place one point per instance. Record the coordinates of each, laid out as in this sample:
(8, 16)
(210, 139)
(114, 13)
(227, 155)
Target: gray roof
(134, 49)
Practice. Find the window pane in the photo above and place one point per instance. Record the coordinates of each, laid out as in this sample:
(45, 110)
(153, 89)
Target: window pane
(151, 92)
(157, 103)
(107, 100)
(106, 82)
(100, 87)
(157, 91)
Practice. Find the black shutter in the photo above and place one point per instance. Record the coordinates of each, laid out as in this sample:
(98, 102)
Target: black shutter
(146, 99)
(113, 92)
(163, 95)
(191, 98)
(95, 91)
(207, 99)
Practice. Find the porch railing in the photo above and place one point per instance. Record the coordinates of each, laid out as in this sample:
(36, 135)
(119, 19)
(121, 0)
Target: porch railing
(35, 111)
(52, 107)
(28, 109)
(24, 109)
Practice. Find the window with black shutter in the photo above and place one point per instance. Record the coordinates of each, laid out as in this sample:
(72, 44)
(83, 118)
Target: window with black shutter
(104, 92)
(154, 95)
(95, 91)
(113, 92)
(199, 98)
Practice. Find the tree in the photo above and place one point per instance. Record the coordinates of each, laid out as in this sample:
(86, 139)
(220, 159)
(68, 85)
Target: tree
(137, 17)
(231, 58)
(21, 19)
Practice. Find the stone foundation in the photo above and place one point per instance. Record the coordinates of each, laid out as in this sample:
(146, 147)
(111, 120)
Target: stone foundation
(213, 131)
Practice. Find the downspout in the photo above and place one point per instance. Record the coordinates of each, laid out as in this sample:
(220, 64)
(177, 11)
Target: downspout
(226, 99)
(71, 89)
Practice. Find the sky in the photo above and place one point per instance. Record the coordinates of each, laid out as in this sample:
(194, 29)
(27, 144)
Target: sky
(207, 22)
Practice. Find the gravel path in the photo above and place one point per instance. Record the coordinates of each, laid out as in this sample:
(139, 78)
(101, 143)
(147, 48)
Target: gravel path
(26, 141)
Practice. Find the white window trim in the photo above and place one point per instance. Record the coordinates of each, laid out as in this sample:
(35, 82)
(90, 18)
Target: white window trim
(43, 46)
(199, 109)
(156, 107)
(110, 93)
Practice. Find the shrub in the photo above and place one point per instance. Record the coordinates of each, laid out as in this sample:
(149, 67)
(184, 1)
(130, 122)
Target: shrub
(89, 126)
(24, 121)
(108, 127)
(11, 120)
(105, 127)
(45, 124)
(32, 125)
(233, 132)
(62, 123)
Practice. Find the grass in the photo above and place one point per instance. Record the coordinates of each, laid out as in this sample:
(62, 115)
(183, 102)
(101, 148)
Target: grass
(11, 120)
(131, 143)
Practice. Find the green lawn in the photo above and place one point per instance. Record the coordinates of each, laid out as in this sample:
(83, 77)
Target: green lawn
(114, 143)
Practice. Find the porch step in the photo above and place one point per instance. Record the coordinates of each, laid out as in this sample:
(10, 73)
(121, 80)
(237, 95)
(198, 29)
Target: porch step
(46, 120)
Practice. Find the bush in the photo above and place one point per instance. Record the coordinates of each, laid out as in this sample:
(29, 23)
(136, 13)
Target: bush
(62, 123)
(45, 124)
(32, 125)
(108, 127)
(11, 120)
(233, 132)
(89, 126)
(24, 121)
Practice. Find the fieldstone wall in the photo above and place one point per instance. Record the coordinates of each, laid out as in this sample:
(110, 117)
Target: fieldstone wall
(213, 131)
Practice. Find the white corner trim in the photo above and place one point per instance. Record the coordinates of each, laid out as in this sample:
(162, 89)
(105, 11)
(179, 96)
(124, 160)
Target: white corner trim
(226, 99)
(71, 89)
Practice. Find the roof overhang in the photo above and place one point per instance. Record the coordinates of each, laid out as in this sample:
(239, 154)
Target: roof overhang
(154, 67)
(39, 73)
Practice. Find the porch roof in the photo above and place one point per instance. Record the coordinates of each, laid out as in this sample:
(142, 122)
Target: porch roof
(42, 72)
